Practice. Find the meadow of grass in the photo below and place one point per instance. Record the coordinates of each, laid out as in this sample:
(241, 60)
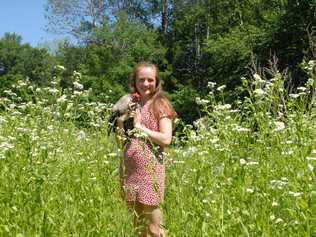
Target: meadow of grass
(246, 169)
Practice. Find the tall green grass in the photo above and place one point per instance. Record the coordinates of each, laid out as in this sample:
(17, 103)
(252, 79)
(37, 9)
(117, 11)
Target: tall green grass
(246, 169)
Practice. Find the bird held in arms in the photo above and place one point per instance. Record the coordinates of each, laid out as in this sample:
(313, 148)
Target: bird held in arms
(121, 112)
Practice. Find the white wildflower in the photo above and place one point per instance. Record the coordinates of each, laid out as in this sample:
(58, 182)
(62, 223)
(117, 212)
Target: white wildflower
(221, 88)
(310, 82)
(22, 106)
(178, 161)
(77, 74)
(259, 92)
(279, 220)
(12, 106)
(77, 93)
(2, 120)
(50, 127)
(77, 85)
(294, 96)
(16, 113)
(301, 88)
(272, 217)
(200, 101)
(201, 123)
(249, 190)
(139, 134)
(289, 152)
(21, 83)
(275, 204)
(241, 129)
(10, 93)
(250, 163)
(214, 140)
(81, 135)
(278, 183)
(310, 167)
(312, 63)
(257, 77)
(62, 99)
(242, 161)
(227, 118)
(223, 107)
(67, 115)
(5, 146)
(310, 158)
(60, 67)
(53, 90)
(211, 84)
(295, 194)
(278, 126)
(55, 82)
(192, 149)
(22, 130)
(69, 106)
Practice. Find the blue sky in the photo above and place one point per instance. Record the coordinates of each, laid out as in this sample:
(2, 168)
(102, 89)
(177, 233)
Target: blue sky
(26, 18)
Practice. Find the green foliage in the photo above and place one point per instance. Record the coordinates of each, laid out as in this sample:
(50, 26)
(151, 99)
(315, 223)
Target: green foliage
(120, 46)
(231, 54)
(246, 168)
(60, 168)
(103, 90)
(21, 59)
(289, 38)
(202, 41)
(183, 100)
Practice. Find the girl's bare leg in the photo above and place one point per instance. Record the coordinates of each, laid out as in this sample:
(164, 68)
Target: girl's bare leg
(147, 220)
(153, 220)
(135, 208)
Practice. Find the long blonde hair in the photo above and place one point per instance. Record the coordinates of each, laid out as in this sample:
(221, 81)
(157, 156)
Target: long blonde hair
(159, 100)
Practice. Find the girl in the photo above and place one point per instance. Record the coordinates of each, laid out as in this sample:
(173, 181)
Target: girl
(143, 172)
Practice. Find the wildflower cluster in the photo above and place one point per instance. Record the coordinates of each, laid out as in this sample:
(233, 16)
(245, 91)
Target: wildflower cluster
(253, 160)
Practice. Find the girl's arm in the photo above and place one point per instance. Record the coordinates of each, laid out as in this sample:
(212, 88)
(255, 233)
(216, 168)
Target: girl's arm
(162, 137)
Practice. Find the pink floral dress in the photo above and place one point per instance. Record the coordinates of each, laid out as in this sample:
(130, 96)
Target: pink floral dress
(143, 171)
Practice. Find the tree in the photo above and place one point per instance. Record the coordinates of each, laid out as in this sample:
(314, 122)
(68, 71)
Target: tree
(107, 61)
(119, 47)
(77, 17)
(20, 61)
(289, 37)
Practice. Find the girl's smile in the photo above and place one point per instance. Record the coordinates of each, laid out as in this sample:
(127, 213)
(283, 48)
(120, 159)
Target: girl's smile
(146, 82)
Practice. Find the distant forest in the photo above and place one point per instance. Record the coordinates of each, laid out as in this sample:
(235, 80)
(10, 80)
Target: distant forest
(192, 42)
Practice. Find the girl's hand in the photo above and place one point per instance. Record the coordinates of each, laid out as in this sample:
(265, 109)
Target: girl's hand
(137, 119)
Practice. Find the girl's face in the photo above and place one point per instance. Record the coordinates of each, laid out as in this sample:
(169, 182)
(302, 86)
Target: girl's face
(146, 81)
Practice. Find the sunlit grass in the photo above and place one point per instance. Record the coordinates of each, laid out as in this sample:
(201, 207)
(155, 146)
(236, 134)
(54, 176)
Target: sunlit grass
(246, 169)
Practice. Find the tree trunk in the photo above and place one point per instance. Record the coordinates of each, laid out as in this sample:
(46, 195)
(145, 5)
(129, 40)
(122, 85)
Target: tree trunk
(164, 17)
